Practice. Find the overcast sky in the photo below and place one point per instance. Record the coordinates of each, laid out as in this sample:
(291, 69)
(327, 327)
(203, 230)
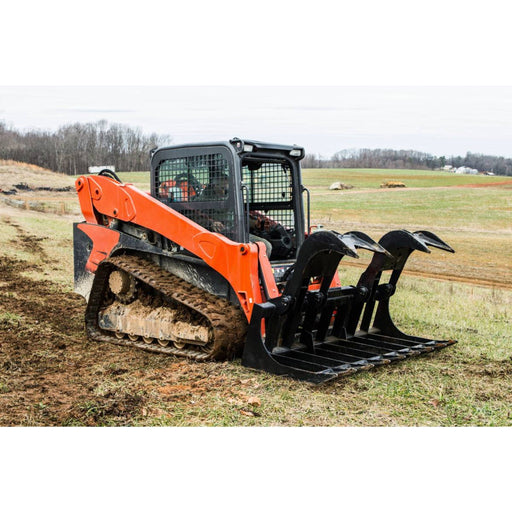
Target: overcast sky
(449, 120)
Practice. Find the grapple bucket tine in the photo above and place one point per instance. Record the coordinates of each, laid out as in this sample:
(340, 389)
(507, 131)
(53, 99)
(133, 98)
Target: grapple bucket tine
(400, 244)
(432, 240)
(398, 240)
(365, 242)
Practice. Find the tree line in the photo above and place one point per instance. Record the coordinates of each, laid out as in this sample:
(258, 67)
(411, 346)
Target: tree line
(407, 159)
(72, 148)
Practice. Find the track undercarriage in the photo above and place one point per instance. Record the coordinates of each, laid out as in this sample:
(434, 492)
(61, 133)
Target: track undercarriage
(134, 302)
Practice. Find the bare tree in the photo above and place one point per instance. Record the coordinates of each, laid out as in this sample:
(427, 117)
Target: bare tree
(75, 147)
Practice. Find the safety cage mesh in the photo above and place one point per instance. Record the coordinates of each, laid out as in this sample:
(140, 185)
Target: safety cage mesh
(271, 206)
(198, 186)
(270, 189)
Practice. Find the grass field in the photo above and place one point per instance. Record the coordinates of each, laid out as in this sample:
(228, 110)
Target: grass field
(51, 375)
(320, 179)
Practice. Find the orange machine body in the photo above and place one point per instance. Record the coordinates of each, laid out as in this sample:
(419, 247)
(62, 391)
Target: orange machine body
(238, 263)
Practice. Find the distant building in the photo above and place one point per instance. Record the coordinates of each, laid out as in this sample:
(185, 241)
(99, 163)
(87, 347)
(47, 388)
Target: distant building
(95, 169)
(466, 170)
(448, 168)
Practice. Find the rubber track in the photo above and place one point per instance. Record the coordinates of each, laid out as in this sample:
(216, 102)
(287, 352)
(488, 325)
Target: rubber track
(227, 321)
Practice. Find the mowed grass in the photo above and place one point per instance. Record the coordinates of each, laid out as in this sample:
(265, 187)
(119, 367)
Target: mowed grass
(467, 384)
(373, 178)
(475, 221)
(140, 179)
(477, 209)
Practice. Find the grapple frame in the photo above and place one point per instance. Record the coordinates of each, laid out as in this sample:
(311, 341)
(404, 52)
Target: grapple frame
(317, 335)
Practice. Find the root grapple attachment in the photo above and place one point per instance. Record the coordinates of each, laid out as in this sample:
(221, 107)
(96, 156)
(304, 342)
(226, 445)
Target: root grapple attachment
(322, 333)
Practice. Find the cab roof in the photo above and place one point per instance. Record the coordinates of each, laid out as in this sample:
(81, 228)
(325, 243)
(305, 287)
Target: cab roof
(245, 146)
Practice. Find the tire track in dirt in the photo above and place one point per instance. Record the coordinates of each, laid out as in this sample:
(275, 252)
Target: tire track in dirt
(46, 362)
(29, 243)
(489, 283)
(505, 184)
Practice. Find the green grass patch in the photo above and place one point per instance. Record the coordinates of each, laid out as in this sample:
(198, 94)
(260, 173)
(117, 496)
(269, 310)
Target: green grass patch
(469, 208)
(10, 319)
(140, 179)
(373, 178)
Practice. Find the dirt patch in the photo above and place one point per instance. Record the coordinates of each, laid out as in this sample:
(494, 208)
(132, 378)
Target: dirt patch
(27, 189)
(46, 363)
(502, 184)
(506, 184)
(50, 374)
(29, 243)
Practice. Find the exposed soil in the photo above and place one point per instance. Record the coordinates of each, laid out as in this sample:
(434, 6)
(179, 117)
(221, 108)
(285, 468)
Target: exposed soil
(47, 367)
(50, 374)
(505, 184)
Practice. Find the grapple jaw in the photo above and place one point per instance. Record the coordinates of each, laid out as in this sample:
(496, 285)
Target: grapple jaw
(315, 332)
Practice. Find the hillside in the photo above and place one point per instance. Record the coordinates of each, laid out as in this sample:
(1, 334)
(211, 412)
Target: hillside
(31, 187)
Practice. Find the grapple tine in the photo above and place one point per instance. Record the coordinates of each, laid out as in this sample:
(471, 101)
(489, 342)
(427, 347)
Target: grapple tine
(400, 244)
(363, 241)
(432, 240)
(401, 239)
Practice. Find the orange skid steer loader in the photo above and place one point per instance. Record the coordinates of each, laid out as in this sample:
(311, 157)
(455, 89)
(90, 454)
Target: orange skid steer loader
(219, 260)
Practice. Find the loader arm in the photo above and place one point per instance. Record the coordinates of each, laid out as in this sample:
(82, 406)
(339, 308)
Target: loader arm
(239, 263)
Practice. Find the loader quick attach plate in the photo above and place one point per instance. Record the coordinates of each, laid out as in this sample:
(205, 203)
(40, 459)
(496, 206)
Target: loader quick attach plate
(318, 335)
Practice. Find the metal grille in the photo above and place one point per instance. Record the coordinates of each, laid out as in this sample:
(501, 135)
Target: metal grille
(198, 186)
(218, 220)
(270, 193)
(192, 178)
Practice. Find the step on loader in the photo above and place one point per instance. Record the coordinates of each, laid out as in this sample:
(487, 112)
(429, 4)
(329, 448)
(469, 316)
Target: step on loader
(219, 260)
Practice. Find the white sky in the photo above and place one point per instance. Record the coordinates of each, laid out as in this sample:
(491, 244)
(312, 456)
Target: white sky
(449, 120)
(325, 75)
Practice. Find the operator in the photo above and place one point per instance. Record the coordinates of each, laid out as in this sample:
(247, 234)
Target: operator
(217, 190)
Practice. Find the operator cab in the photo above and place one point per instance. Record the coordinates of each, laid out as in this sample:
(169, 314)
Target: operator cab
(248, 191)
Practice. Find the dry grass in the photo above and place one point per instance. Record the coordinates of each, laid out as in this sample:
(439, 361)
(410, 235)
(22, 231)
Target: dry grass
(12, 173)
(57, 201)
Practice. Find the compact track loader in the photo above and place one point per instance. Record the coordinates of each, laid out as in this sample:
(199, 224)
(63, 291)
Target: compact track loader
(220, 260)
